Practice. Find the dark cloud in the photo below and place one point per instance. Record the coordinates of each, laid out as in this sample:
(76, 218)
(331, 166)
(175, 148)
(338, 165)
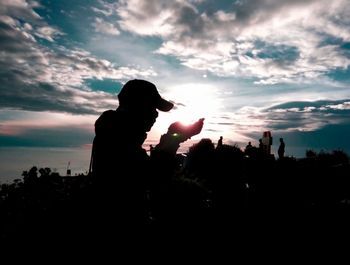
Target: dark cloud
(333, 136)
(35, 76)
(253, 12)
(224, 123)
(47, 137)
(189, 22)
(16, 94)
(318, 105)
(308, 115)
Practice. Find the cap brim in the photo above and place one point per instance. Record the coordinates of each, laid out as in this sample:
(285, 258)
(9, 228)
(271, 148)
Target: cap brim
(164, 105)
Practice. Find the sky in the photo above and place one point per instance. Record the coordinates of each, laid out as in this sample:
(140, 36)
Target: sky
(245, 66)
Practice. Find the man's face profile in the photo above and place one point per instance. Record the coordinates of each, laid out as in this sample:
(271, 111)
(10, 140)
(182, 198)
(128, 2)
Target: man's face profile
(147, 118)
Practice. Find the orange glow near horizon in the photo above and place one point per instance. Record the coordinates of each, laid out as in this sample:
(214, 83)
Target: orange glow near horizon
(45, 120)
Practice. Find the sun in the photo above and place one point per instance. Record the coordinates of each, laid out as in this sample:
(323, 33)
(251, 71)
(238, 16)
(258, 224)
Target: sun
(192, 102)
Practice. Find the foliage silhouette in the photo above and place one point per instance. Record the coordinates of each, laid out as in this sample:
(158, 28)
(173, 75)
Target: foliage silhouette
(213, 188)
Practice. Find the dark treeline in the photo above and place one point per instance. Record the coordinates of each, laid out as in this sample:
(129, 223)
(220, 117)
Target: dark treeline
(214, 188)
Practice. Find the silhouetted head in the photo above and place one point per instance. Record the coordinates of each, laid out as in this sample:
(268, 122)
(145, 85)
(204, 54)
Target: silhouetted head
(141, 94)
(141, 99)
(281, 140)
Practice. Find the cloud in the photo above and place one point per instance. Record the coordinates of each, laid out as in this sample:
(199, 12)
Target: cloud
(46, 32)
(307, 116)
(274, 41)
(105, 27)
(31, 128)
(47, 137)
(286, 118)
(146, 17)
(20, 15)
(20, 9)
(38, 77)
(105, 12)
(17, 122)
(321, 124)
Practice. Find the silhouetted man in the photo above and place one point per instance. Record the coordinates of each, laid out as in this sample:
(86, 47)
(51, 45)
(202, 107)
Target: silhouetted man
(219, 142)
(248, 147)
(281, 148)
(261, 145)
(125, 176)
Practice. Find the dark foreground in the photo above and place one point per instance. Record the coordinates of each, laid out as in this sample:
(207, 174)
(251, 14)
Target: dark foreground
(228, 193)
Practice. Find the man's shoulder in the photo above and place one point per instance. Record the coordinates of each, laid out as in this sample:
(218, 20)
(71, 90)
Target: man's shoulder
(106, 120)
(108, 113)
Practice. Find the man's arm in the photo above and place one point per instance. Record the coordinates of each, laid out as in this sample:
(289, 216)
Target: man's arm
(178, 133)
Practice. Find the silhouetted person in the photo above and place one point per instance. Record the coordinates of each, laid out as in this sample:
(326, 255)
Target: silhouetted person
(125, 176)
(219, 142)
(248, 147)
(281, 148)
(261, 145)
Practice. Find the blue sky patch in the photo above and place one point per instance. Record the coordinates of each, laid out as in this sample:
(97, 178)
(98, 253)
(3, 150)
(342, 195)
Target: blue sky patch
(107, 85)
(277, 52)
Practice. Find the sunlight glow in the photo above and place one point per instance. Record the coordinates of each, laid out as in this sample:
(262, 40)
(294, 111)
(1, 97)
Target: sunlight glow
(192, 102)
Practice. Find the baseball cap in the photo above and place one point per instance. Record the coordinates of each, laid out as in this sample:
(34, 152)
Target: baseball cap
(140, 94)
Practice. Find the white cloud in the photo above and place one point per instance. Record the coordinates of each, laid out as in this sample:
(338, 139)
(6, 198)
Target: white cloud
(343, 106)
(105, 27)
(105, 12)
(13, 13)
(227, 42)
(8, 20)
(147, 17)
(20, 9)
(45, 32)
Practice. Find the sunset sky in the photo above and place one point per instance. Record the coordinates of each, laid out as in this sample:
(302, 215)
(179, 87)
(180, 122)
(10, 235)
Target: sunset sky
(245, 66)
